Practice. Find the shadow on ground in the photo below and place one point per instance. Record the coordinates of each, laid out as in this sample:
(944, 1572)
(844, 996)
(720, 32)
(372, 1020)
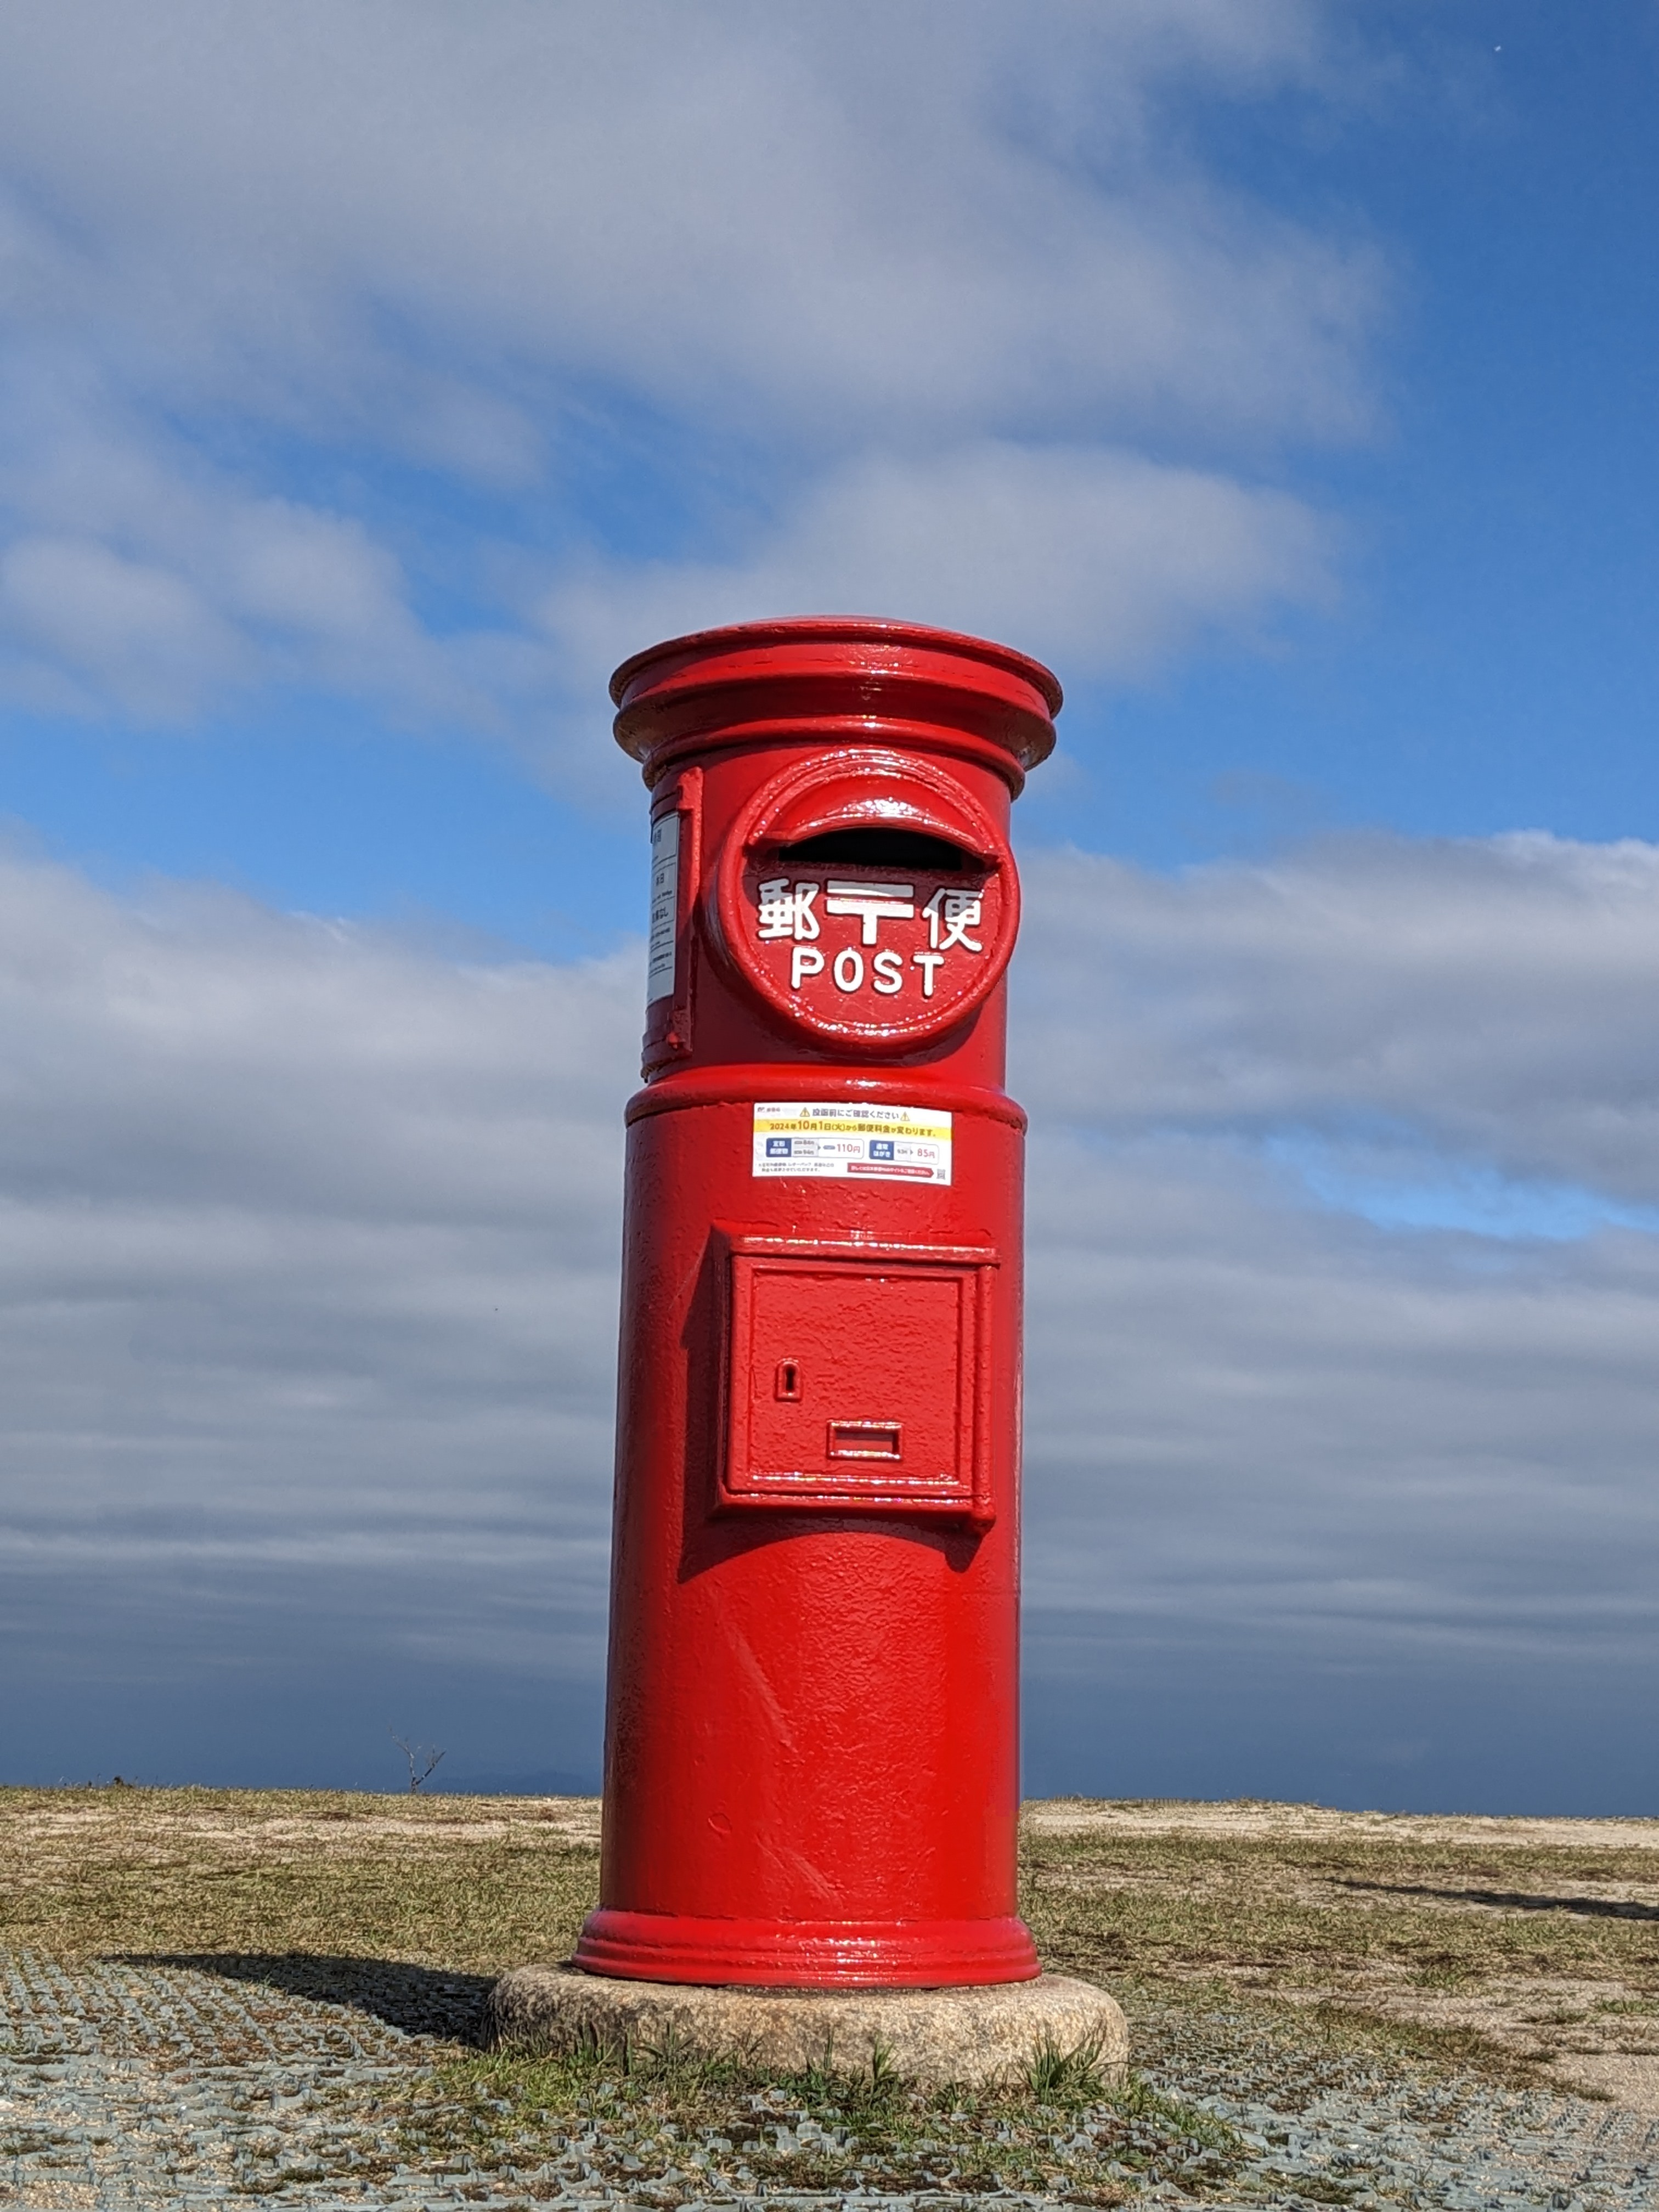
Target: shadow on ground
(420, 2000)
(1600, 1908)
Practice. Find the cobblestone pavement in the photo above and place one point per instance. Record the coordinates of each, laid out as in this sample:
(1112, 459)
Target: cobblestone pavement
(1325, 2126)
(173, 2085)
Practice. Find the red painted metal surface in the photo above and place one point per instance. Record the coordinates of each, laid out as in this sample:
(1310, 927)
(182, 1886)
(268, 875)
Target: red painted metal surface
(811, 1735)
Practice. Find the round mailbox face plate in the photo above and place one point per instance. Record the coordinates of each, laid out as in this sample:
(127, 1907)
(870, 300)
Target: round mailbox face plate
(867, 899)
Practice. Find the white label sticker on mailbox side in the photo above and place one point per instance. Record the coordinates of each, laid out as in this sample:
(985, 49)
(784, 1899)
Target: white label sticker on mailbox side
(890, 1144)
(665, 907)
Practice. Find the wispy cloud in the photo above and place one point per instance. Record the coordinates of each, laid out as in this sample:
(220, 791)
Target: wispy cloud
(1482, 1000)
(854, 303)
(308, 1273)
(1103, 559)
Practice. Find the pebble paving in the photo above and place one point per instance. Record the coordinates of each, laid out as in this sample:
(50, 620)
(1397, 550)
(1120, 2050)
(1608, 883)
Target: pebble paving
(168, 2086)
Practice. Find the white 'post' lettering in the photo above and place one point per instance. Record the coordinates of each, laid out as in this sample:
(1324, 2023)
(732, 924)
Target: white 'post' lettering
(848, 970)
(928, 963)
(804, 960)
(888, 976)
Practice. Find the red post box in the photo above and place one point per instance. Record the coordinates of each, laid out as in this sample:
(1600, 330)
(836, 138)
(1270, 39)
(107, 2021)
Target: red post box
(811, 1739)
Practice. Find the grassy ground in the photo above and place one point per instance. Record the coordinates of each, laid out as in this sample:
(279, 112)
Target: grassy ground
(823, 2128)
(1526, 1950)
(468, 1885)
(1520, 1930)
(1522, 1944)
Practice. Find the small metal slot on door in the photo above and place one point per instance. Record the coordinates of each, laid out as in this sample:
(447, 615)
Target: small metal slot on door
(865, 1440)
(787, 1386)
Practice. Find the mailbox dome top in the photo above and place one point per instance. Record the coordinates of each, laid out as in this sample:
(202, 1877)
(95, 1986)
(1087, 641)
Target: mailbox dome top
(818, 678)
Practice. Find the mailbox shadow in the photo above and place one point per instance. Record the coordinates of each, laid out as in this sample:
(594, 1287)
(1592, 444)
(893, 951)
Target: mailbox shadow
(1597, 1908)
(419, 2000)
(709, 1536)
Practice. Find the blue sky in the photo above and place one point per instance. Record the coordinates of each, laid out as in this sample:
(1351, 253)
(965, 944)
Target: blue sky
(375, 378)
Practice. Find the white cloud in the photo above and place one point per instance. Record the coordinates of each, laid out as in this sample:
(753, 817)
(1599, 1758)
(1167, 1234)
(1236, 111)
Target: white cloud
(1099, 559)
(307, 1267)
(1485, 1001)
(137, 577)
(137, 631)
(812, 268)
(723, 211)
(1263, 1426)
(308, 1277)
(1353, 1443)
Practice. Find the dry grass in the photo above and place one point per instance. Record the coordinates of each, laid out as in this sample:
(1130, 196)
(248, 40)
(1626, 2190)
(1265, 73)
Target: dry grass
(868, 2128)
(1536, 1941)
(1532, 1941)
(468, 1885)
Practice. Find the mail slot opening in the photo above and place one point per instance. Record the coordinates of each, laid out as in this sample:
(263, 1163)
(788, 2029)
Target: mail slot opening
(861, 848)
(865, 1440)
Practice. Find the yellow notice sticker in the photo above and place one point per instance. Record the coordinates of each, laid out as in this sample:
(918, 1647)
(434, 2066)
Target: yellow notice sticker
(891, 1144)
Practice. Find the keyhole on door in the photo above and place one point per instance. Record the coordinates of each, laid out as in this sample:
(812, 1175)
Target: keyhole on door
(789, 1383)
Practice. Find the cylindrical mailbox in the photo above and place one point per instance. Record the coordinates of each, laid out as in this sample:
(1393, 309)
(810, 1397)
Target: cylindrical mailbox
(812, 1736)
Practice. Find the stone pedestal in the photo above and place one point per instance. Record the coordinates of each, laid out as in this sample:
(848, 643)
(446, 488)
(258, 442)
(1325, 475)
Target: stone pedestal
(973, 2036)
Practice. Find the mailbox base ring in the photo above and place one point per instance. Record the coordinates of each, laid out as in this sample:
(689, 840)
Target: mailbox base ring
(900, 1955)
